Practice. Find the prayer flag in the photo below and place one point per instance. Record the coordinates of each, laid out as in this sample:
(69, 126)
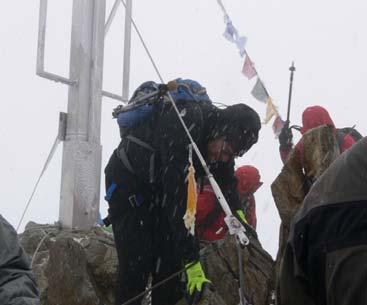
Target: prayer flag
(278, 125)
(192, 197)
(248, 68)
(259, 92)
(241, 44)
(230, 33)
(271, 110)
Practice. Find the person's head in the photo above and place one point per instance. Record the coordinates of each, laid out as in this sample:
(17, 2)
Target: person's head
(220, 150)
(235, 131)
(248, 180)
(315, 116)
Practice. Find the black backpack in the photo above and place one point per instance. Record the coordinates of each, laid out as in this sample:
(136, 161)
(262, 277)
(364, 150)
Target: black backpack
(354, 133)
(342, 132)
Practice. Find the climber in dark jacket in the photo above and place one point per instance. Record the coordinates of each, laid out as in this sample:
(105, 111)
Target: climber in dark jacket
(325, 257)
(147, 191)
(17, 286)
(312, 117)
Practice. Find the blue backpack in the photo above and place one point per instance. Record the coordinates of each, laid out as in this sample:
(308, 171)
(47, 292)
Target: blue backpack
(147, 95)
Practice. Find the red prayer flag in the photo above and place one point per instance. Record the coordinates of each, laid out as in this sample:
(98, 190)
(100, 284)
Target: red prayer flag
(278, 126)
(248, 68)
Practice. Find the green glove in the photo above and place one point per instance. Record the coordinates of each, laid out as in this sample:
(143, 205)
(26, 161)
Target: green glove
(195, 278)
(241, 216)
(107, 229)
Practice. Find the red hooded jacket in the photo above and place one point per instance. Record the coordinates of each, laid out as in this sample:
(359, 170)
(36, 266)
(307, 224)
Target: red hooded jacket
(210, 223)
(313, 117)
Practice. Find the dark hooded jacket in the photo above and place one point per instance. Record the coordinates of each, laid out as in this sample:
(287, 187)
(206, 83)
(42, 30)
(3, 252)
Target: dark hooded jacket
(168, 148)
(147, 190)
(17, 285)
(325, 257)
(312, 117)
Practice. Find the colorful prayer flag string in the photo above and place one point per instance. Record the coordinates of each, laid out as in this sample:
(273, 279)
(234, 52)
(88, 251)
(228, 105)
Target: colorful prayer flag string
(259, 91)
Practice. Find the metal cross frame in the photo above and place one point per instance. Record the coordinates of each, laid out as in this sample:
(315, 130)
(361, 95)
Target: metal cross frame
(82, 151)
(40, 69)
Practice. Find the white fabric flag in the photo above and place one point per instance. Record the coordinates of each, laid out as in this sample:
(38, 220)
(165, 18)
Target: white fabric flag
(232, 35)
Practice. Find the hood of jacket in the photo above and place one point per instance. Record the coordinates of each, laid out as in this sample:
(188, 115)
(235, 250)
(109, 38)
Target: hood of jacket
(248, 180)
(315, 116)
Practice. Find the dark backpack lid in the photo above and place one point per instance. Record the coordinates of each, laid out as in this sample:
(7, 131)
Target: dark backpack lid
(352, 132)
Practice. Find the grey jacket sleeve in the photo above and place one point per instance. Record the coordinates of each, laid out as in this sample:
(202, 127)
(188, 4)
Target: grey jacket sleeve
(17, 285)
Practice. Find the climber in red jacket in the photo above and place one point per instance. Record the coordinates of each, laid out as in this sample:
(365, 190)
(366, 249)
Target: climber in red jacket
(312, 117)
(210, 223)
(248, 183)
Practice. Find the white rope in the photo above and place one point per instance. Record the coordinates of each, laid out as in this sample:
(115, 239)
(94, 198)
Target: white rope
(222, 7)
(50, 155)
(145, 46)
(39, 246)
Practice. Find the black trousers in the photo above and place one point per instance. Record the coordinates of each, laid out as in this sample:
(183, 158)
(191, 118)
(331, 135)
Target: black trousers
(144, 243)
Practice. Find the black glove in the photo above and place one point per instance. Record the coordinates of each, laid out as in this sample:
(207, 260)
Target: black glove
(286, 136)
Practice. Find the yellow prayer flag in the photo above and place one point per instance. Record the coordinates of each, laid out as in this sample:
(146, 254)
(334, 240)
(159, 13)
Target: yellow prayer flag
(192, 197)
(271, 110)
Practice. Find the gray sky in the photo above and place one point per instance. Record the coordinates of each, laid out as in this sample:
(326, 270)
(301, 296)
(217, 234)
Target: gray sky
(326, 39)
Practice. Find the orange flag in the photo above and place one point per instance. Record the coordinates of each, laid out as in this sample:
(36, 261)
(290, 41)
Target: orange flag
(192, 197)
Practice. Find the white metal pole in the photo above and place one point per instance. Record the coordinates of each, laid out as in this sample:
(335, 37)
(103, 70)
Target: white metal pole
(127, 49)
(81, 162)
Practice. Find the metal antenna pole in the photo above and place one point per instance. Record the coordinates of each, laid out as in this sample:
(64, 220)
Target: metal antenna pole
(292, 69)
(127, 49)
(82, 151)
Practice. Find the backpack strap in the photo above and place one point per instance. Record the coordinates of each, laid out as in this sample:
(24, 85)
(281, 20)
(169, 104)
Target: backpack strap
(152, 157)
(121, 153)
(140, 143)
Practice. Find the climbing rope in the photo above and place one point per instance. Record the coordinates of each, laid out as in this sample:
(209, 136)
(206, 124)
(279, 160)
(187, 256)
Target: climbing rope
(142, 294)
(204, 252)
(39, 246)
(48, 160)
